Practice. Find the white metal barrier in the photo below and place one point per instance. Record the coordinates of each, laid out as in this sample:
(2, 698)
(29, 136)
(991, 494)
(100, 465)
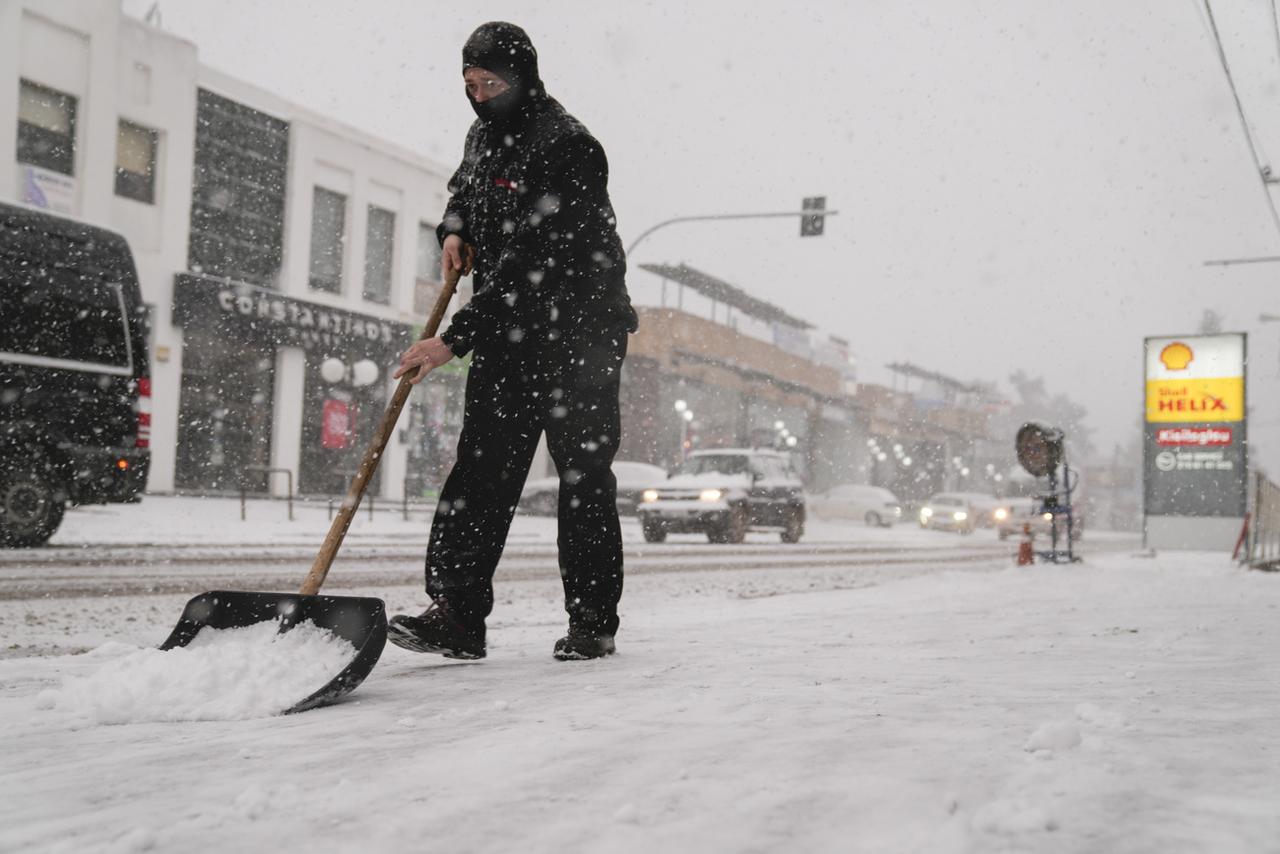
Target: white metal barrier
(1262, 549)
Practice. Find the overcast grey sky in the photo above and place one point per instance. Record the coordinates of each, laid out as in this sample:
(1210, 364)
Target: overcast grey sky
(1021, 184)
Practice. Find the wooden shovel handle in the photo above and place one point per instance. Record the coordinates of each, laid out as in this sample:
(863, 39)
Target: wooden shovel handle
(341, 522)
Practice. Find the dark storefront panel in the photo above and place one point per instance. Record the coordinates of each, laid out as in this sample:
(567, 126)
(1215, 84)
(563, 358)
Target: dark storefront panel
(225, 409)
(238, 191)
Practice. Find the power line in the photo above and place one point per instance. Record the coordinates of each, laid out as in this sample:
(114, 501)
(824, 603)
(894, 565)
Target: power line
(1244, 122)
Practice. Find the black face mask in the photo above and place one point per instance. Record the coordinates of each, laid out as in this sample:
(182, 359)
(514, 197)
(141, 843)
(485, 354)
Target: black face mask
(500, 110)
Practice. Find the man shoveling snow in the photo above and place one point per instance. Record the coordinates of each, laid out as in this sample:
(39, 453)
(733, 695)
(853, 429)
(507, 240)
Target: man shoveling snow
(548, 328)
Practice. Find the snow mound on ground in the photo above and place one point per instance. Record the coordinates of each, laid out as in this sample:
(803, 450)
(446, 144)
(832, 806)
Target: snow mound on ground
(1091, 714)
(1054, 735)
(222, 675)
(1011, 816)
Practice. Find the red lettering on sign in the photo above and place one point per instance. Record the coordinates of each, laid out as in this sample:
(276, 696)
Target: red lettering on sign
(1201, 436)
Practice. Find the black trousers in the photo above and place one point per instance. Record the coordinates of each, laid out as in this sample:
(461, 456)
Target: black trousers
(567, 388)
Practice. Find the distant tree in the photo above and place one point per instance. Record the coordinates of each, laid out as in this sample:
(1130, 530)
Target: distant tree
(1035, 403)
(1210, 322)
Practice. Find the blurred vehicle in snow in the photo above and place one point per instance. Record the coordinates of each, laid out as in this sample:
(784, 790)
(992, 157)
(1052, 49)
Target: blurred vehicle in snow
(541, 496)
(949, 511)
(724, 494)
(75, 388)
(986, 508)
(874, 505)
(1018, 512)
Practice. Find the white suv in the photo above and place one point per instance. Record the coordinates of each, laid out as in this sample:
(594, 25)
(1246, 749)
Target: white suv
(724, 494)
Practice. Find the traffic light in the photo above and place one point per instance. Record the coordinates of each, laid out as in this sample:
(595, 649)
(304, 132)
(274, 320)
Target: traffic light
(811, 224)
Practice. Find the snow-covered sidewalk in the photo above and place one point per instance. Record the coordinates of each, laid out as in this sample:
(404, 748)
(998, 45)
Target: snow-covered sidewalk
(1124, 705)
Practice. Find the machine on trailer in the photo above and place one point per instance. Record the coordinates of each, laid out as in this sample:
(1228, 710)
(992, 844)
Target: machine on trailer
(1042, 453)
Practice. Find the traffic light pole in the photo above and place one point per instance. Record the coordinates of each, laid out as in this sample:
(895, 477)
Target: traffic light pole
(708, 217)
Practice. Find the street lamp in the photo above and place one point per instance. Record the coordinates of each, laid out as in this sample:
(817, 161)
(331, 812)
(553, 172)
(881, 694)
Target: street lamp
(686, 415)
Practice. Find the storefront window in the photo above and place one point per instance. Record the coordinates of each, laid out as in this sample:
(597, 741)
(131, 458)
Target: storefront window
(328, 239)
(46, 128)
(379, 255)
(136, 162)
(341, 409)
(225, 412)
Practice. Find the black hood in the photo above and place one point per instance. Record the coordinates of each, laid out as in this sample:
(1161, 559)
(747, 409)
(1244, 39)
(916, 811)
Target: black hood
(505, 50)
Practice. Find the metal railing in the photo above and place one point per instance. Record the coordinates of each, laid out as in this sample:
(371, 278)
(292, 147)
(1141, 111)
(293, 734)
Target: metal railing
(412, 480)
(1262, 543)
(268, 471)
(368, 500)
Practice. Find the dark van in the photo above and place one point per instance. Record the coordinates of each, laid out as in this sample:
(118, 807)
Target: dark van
(75, 387)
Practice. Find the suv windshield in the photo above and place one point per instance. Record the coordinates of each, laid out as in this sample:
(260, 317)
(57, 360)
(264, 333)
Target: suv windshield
(56, 312)
(714, 463)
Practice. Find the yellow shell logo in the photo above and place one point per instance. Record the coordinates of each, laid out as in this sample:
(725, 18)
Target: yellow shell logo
(1176, 356)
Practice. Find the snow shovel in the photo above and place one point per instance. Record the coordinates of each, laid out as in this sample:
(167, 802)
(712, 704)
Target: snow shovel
(362, 621)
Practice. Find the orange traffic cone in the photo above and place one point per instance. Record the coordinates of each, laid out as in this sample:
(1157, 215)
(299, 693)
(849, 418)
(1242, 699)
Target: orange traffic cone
(1026, 555)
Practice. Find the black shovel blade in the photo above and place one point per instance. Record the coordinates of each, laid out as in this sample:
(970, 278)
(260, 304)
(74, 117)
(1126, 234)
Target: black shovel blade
(362, 621)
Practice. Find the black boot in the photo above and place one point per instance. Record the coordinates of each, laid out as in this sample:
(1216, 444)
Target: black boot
(437, 629)
(582, 644)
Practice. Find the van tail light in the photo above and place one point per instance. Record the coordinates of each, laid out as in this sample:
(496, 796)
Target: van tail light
(144, 414)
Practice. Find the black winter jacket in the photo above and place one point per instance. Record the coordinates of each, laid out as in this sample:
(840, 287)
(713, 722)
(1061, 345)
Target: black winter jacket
(533, 199)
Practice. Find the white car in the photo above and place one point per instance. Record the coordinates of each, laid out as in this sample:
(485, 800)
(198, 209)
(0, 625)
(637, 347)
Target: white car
(986, 508)
(541, 496)
(874, 505)
(1017, 512)
(949, 511)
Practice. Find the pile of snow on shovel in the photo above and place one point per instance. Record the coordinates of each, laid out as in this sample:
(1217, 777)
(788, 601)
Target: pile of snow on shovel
(223, 674)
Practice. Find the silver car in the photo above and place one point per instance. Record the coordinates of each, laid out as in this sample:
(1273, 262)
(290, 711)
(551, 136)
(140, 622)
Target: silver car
(874, 505)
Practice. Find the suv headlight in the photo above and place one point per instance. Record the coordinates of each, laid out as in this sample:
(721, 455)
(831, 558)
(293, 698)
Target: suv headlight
(1002, 514)
(649, 495)
(926, 512)
(960, 515)
(711, 495)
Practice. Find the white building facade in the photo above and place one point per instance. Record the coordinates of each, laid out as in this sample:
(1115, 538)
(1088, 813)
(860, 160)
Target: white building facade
(286, 258)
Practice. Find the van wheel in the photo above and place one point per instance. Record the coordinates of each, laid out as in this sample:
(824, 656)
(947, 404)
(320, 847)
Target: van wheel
(654, 532)
(794, 528)
(872, 519)
(31, 503)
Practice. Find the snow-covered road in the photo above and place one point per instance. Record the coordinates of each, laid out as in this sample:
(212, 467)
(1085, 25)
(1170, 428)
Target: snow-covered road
(1126, 704)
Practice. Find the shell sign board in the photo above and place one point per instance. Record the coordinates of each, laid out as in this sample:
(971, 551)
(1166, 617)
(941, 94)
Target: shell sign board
(1195, 453)
(1197, 378)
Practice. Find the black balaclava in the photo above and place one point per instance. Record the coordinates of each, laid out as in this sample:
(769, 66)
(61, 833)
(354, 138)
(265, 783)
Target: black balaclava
(505, 50)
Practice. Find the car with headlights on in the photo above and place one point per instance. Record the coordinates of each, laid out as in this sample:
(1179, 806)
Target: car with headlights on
(724, 494)
(874, 505)
(949, 512)
(541, 495)
(1030, 511)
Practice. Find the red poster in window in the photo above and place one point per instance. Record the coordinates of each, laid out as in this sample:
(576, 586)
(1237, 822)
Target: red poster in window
(335, 424)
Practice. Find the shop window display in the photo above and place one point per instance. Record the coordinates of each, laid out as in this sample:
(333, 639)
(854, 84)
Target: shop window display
(225, 413)
(342, 403)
